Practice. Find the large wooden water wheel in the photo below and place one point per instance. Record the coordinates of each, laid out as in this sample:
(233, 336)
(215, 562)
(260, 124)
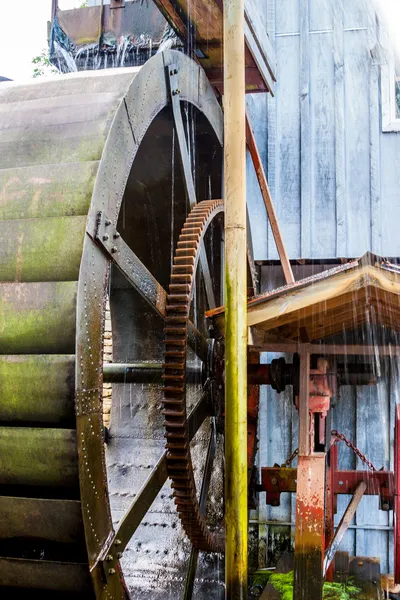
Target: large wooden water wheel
(88, 180)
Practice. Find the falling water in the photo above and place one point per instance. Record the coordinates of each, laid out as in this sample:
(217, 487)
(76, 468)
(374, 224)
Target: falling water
(69, 61)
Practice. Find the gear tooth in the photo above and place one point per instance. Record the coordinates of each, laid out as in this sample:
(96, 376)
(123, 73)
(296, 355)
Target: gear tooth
(179, 463)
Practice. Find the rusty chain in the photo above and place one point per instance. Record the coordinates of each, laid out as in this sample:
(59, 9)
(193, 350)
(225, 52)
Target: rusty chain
(357, 452)
(291, 458)
(349, 444)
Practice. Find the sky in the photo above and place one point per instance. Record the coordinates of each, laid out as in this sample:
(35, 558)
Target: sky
(23, 31)
(23, 34)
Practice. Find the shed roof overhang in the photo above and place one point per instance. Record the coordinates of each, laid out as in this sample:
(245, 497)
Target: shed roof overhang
(206, 38)
(341, 299)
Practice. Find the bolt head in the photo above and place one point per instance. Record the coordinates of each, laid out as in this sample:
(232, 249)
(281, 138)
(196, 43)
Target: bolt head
(105, 237)
(117, 542)
(119, 555)
(109, 557)
(108, 222)
(175, 71)
(117, 235)
(111, 571)
(114, 249)
(385, 506)
(274, 481)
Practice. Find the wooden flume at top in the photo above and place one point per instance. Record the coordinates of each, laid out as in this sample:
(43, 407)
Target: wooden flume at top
(198, 24)
(365, 290)
(201, 23)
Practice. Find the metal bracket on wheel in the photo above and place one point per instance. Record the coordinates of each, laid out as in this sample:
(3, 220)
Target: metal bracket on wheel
(173, 81)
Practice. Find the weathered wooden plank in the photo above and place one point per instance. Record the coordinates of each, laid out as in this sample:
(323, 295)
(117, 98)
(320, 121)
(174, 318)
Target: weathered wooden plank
(322, 150)
(256, 107)
(38, 457)
(390, 181)
(68, 142)
(51, 520)
(257, 21)
(340, 151)
(306, 191)
(37, 389)
(356, 14)
(258, 57)
(287, 173)
(37, 318)
(356, 58)
(321, 15)
(377, 234)
(95, 82)
(269, 205)
(46, 576)
(51, 111)
(271, 157)
(47, 190)
(287, 18)
(41, 249)
(371, 434)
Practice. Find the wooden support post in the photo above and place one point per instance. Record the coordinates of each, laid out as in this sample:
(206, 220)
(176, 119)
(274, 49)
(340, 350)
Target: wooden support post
(235, 302)
(310, 528)
(269, 205)
(304, 396)
(330, 504)
(310, 500)
(344, 524)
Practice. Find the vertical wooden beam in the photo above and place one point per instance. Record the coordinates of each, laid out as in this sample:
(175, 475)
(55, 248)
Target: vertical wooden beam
(344, 524)
(269, 205)
(235, 302)
(310, 500)
(310, 534)
(304, 395)
(305, 131)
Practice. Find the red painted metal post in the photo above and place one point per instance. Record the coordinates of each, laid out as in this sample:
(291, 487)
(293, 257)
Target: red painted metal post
(310, 528)
(310, 499)
(396, 511)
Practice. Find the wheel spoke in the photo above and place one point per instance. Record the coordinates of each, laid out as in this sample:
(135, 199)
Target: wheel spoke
(180, 132)
(191, 574)
(212, 445)
(141, 279)
(207, 277)
(142, 503)
(194, 554)
(200, 412)
(152, 486)
(130, 265)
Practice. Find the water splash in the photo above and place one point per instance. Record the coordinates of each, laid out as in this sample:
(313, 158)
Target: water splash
(69, 60)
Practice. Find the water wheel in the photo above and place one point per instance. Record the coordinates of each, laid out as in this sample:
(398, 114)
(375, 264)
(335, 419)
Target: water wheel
(92, 202)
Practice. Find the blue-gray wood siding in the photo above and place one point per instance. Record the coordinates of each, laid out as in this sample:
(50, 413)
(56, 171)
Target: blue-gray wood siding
(332, 172)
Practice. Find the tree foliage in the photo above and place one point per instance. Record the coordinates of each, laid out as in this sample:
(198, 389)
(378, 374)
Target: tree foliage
(42, 64)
